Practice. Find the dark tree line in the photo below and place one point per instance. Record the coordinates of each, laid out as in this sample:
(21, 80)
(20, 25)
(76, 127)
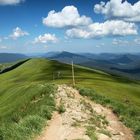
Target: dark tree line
(13, 66)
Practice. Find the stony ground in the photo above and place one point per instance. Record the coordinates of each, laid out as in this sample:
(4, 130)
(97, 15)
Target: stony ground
(78, 118)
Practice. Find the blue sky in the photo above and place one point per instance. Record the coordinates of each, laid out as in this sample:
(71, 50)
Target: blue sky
(34, 26)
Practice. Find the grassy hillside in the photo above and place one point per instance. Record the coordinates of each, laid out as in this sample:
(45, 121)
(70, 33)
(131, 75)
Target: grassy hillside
(25, 90)
(5, 65)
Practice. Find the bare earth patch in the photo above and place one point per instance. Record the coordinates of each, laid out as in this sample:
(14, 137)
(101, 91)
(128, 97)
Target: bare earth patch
(82, 119)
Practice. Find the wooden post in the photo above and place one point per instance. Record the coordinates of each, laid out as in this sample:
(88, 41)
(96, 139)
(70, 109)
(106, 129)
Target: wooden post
(73, 78)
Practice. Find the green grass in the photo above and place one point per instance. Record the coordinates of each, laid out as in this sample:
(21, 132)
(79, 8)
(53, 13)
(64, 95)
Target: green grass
(5, 65)
(127, 113)
(91, 133)
(25, 92)
(61, 108)
(25, 111)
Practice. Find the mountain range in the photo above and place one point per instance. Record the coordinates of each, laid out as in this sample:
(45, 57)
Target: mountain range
(121, 64)
(127, 65)
(11, 57)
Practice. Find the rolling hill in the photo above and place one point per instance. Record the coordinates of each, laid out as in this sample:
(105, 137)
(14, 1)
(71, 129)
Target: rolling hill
(26, 89)
(126, 65)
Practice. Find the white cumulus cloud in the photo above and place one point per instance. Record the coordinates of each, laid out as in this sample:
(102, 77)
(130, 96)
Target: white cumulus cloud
(46, 38)
(69, 16)
(10, 2)
(108, 28)
(18, 32)
(119, 9)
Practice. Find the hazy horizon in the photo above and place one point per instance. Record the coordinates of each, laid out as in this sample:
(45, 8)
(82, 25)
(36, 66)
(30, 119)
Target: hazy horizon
(41, 53)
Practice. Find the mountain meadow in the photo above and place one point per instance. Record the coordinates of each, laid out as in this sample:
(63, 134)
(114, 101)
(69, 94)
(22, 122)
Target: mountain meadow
(27, 96)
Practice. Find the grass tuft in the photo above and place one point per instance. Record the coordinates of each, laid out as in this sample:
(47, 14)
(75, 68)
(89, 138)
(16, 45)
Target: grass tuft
(91, 133)
(61, 108)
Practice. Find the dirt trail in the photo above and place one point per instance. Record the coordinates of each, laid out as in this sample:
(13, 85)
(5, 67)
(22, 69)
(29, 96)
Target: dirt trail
(82, 120)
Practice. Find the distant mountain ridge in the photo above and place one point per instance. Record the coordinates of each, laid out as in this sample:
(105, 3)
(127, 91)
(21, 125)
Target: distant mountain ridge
(120, 64)
(67, 57)
(11, 57)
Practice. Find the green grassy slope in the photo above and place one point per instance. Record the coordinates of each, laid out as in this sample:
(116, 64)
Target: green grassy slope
(25, 103)
(5, 65)
(22, 86)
